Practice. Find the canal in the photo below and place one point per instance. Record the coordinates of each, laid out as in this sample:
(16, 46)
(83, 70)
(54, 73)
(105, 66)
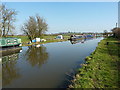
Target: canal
(45, 66)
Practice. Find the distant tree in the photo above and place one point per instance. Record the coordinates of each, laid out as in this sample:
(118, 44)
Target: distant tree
(7, 19)
(105, 33)
(35, 27)
(116, 32)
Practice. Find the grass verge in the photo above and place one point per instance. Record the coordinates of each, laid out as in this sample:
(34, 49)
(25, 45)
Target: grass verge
(49, 38)
(101, 69)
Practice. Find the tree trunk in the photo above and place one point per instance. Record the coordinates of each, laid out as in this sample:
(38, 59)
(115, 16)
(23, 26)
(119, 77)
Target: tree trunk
(3, 29)
(8, 28)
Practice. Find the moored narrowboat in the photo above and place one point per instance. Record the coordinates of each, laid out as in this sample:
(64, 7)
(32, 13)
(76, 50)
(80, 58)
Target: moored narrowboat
(88, 36)
(10, 42)
(77, 37)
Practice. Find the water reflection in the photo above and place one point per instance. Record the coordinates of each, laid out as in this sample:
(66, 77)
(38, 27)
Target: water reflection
(10, 50)
(9, 68)
(80, 41)
(77, 41)
(37, 55)
(31, 66)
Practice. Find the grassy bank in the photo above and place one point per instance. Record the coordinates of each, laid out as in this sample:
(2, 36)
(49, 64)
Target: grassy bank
(49, 39)
(101, 69)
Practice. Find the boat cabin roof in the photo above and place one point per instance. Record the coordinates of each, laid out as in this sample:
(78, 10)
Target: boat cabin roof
(9, 38)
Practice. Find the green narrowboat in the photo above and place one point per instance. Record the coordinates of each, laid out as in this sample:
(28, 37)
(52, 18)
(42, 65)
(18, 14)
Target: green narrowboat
(9, 42)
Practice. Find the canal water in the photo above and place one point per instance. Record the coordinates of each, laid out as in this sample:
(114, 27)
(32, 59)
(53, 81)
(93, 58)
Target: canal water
(45, 66)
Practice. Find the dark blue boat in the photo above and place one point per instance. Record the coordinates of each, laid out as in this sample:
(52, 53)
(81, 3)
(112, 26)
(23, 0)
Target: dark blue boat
(77, 37)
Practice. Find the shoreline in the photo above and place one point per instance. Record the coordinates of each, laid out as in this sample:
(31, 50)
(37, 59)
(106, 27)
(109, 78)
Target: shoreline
(99, 66)
(51, 41)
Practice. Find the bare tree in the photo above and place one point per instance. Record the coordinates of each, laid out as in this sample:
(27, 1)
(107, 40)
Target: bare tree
(0, 21)
(42, 26)
(30, 28)
(7, 19)
(34, 27)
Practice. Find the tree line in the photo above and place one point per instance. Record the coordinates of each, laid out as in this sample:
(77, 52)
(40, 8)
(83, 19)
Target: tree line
(35, 26)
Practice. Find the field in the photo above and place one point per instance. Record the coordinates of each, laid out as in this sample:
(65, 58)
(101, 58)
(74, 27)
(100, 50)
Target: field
(49, 38)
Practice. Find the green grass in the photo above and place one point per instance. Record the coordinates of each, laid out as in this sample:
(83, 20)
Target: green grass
(49, 38)
(101, 69)
(24, 39)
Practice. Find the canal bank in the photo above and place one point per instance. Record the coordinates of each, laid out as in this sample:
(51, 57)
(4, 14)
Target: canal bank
(101, 69)
(49, 41)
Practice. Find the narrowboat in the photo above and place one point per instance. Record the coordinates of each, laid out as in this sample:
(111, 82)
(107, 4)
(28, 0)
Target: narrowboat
(10, 42)
(77, 37)
(88, 36)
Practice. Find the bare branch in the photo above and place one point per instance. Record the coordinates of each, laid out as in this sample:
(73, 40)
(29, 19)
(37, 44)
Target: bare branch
(34, 27)
(7, 19)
